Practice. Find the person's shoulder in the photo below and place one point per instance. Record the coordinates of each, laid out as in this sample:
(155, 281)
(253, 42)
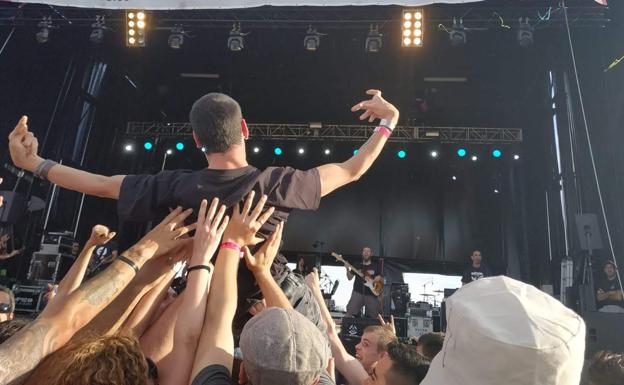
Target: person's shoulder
(213, 375)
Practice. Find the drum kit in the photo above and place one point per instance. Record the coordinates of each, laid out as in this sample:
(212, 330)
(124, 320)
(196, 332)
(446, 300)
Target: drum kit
(428, 297)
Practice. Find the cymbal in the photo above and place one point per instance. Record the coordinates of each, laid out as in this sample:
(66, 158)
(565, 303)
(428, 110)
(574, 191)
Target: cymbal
(438, 291)
(427, 295)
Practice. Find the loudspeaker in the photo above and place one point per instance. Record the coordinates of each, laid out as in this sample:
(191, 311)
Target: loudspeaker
(13, 207)
(29, 299)
(354, 327)
(604, 332)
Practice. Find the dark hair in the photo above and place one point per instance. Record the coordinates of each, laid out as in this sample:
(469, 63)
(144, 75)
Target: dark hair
(607, 368)
(408, 367)
(431, 344)
(216, 120)
(11, 297)
(9, 328)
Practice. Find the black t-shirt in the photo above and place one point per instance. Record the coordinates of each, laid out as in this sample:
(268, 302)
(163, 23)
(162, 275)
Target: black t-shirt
(609, 285)
(213, 375)
(371, 270)
(149, 197)
(475, 273)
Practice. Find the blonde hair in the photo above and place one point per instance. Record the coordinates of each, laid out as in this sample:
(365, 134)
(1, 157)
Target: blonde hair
(386, 336)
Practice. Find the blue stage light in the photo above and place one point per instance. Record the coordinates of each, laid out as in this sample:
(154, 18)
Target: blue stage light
(148, 145)
(462, 152)
(179, 146)
(401, 154)
(497, 153)
(277, 151)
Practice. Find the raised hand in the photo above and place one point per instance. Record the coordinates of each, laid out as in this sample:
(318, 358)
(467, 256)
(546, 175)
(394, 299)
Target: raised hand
(377, 108)
(261, 261)
(168, 235)
(387, 324)
(312, 279)
(244, 224)
(210, 228)
(100, 235)
(23, 146)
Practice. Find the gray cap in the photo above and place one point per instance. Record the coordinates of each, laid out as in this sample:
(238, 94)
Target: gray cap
(281, 346)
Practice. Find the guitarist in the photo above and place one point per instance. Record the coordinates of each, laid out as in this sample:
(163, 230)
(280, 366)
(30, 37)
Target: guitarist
(362, 295)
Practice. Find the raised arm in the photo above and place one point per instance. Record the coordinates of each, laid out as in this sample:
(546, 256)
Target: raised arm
(260, 265)
(336, 175)
(210, 227)
(61, 319)
(23, 146)
(100, 235)
(216, 344)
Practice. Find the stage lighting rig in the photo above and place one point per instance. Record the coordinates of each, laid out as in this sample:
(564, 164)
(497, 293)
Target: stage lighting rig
(136, 29)
(236, 41)
(97, 33)
(525, 33)
(457, 33)
(312, 39)
(44, 33)
(374, 40)
(176, 38)
(412, 28)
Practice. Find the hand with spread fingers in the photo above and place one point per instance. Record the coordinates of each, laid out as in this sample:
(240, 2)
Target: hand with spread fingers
(377, 108)
(389, 325)
(245, 224)
(168, 235)
(210, 227)
(261, 261)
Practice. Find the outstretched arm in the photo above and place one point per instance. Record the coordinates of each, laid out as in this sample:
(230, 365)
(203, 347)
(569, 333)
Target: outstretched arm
(23, 146)
(336, 175)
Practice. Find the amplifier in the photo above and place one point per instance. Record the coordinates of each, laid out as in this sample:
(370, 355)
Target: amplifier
(417, 326)
(29, 299)
(354, 327)
(49, 267)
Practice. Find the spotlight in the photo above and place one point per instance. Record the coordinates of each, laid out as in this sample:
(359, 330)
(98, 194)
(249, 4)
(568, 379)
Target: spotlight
(136, 26)
(176, 38)
(496, 153)
(203, 149)
(97, 33)
(148, 145)
(128, 147)
(412, 28)
(312, 39)
(434, 154)
(524, 34)
(179, 146)
(374, 40)
(235, 42)
(169, 152)
(327, 151)
(454, 177)
(474, 158)
(277, 151)
(496, 191)
(457, 34)
(516, 157)
(401, 154)
(355, 152)
(301, 150)
(256, 149)
(462, 152)
(44, 33)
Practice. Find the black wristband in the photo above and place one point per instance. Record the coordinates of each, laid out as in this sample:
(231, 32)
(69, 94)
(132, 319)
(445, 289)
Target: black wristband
(199, 267)
(129, 262)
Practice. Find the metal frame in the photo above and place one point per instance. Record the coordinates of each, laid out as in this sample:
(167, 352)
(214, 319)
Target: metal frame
(340, 132)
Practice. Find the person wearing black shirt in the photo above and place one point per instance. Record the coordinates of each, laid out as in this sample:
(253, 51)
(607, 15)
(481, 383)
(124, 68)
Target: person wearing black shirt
(362, 295)
(609, 296)
(219, 128)
(477, 270)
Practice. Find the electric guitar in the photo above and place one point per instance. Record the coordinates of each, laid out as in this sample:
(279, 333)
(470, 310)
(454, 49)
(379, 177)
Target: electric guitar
(375, 286)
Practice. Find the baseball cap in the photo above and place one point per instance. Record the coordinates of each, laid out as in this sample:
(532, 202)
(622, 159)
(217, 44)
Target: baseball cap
(503, 331)
(281, 346)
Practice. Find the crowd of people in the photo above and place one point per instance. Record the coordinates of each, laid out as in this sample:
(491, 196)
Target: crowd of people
(240, 315)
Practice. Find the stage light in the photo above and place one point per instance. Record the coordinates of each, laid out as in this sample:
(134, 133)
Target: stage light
(179, 146)
(496, 153)
(312, 39)
(516, 157)
(301, 150)
(44, 33)
(277, 151)
(203, 149)
(524, 34)
(169, 152)
(374, 40)
(256, 149)
(434, 154)
(97, 33)
(355, 152)
(412, 28)
(148, 145)
(462, 152)
(496, 191)
(474, 158)
(176, 38)
(128, 147)
(457, 34)
(401, 154)
(327, 151)
(236, 41)
(136, 29)
(454, 177)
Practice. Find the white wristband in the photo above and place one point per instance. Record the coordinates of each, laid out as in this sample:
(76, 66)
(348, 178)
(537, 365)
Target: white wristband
(387, 123)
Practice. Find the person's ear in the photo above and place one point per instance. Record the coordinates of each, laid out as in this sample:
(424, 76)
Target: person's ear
(196, 139)
(244, 129)
(242, 375)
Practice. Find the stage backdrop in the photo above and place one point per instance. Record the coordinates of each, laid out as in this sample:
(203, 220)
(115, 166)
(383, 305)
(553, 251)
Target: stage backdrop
(221, 4)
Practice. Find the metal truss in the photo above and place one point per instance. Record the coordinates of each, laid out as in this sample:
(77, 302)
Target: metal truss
(340, 132)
